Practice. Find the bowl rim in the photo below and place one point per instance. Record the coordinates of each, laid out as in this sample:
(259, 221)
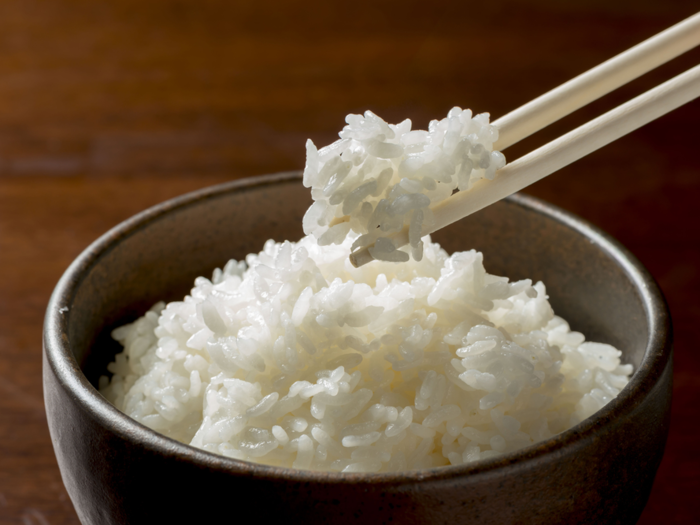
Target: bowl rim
(61, 361)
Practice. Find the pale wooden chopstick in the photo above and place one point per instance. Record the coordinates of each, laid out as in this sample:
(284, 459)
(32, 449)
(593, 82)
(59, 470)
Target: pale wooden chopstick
(587, 138)
(559, 153)
(598, 81)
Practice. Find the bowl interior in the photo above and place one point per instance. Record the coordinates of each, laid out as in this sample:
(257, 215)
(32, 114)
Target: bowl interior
(158, 254)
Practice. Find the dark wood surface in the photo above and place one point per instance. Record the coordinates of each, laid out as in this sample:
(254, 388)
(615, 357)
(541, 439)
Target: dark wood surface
(107, 108)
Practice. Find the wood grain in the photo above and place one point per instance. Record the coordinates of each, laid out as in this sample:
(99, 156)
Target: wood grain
(107, 108)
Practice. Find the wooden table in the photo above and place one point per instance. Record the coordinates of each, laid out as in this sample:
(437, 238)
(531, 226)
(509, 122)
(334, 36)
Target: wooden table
(107, 108)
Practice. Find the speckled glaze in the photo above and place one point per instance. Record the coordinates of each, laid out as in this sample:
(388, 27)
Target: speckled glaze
(120, 472)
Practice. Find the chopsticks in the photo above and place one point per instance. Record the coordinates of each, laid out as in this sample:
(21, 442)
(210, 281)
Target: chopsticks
(583, 140)
(598, 81)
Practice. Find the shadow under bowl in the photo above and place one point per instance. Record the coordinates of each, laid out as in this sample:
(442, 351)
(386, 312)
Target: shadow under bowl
(120, 472)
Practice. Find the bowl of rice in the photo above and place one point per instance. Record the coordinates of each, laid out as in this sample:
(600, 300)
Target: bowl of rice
(456, 421)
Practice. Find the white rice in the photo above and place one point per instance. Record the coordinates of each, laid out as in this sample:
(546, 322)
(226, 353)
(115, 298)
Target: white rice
(296, 358)
(379, 178)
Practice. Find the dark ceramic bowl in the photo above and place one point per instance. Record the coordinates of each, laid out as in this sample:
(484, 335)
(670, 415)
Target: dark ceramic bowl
(118, 471)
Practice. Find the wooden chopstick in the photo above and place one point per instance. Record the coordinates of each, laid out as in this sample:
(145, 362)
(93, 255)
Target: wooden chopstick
(596, 82)
(559, 153)
(583, 140)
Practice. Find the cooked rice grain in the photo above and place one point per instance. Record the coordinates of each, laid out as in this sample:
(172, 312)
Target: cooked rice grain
(296, 358)
(379, 178)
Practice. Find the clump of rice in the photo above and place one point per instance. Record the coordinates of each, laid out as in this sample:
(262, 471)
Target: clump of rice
(296, 358)
(379, 178)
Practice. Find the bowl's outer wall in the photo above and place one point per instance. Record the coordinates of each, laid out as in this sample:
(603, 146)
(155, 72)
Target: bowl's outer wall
(115, 475)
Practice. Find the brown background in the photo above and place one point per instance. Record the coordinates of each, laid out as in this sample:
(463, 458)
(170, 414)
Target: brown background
(107, 108)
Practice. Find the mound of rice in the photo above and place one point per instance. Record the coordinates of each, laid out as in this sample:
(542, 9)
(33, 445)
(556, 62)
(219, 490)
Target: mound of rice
(296, 358)
(379, 178)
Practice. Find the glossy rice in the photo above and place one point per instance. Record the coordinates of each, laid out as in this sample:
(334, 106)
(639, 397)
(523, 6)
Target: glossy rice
(421, 359)
(295, 358)
(379, 178)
